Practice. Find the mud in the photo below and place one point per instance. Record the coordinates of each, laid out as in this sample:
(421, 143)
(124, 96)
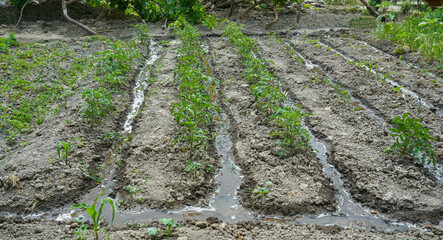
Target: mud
(389, 188)
(298, 182)
(397, 188)
(154, 158)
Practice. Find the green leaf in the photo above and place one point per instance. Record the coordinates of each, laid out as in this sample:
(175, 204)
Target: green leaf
(152, 231)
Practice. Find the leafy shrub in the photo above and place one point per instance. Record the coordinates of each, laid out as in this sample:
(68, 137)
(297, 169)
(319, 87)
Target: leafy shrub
(191, 10)
(99, 104)
(411, 138)
(422, 32)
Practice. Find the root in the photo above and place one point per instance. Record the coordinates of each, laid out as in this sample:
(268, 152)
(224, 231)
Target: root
(231, 10)
(372, 10)
(21, 13)
(65, 14)
(269, 24)
(249, 9)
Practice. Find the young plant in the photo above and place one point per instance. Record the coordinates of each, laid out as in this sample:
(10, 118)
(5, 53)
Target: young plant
(80, 233)
(413, 139)
(99, 104)
(136, 189)
(193, 168)
(88, 172)
(262, 190)
(65, 148)
(97, 215)
(169, 223)
(385, 77)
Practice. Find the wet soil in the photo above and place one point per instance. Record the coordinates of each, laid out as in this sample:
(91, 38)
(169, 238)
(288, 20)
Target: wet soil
(394, 189)
(299, 185)
(154, 158)
(210, 229)
(28, 180)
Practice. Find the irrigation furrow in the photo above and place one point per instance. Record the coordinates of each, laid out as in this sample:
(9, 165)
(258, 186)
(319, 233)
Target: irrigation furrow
(407, 91)
(386, 101)
(346, 129)
(436, 172)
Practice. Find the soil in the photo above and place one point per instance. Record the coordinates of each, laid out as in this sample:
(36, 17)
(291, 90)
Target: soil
(298, 182)
(394, 189)
(210, 229)
(154, 158)
(356, 139)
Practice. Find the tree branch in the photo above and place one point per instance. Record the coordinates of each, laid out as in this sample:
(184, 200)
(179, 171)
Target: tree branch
(65, 14)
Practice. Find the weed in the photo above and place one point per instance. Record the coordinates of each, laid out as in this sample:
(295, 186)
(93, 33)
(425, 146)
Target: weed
(142, 33)
(8, 42)
(85, 169)
(135, 189)
(97, 215)
(169, 223)
(113, 136)
(412, 138)
(422, 32)
(65, 148)
(263, 191)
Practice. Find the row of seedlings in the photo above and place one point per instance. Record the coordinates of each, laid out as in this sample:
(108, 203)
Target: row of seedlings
(268, 95)
(196, 109)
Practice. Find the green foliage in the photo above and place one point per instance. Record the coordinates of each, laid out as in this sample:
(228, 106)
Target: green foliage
(86, 169)
(97, 215)
(191, 10)
(18, 3)
(99, 104)
(169, 223)
(288, 119)
(195, 110)
(266, 90)
(80, 233)
(65, 148)
(422, 32)
(412, 138)
(5, 43)
(193, 169)
(135, 189)
(113, 136)
(31, 80)
(375, 3)
(142, 33)
(115, 62)
(263, 191)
